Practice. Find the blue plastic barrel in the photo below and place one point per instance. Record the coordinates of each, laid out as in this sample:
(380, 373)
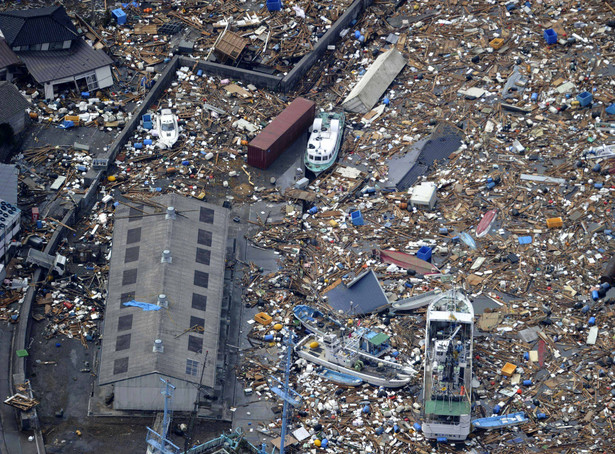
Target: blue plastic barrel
(497, 409)
(147, 142)
(441, 439)
(268, 337)
(527, 382)
(526, 356)
(595, 295)
(417, 427)
(379, 430)
(138, 145)
(541, 416)
(591, 321)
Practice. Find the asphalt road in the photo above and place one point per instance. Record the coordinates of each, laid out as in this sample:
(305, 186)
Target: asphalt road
(12, 441)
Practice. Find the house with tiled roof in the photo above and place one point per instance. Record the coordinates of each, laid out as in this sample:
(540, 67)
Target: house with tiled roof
(48, 43)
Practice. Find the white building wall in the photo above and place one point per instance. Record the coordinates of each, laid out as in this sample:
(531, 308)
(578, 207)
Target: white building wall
(144, 393)
(104, 77)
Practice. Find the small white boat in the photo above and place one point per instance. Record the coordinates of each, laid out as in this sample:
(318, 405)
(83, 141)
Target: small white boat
(315, 321)
(324, 142)
(414, 302)
(329, 352)
(167, 128)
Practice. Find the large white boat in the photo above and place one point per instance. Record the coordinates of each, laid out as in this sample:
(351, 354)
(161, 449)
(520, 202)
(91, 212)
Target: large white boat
(325, 141)
(167, 128)
(447, 388)
(328, 351)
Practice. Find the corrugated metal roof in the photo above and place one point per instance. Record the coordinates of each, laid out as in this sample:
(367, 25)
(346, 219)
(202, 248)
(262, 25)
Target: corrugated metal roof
(8, 182)
(188, 293)
(282, 122)
(46, 66)
(37, 26)
(11, 101)
(7, 56)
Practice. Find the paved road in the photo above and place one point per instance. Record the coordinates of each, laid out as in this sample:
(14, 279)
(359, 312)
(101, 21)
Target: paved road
(10, 440)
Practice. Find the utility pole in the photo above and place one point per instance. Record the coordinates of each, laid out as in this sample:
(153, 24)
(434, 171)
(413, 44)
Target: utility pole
(188, 439)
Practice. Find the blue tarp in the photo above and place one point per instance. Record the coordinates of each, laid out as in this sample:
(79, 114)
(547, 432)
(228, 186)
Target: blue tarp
(144, 306)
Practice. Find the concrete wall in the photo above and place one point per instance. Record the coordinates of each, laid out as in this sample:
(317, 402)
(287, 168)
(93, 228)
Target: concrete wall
(332, 35)
(258, 79)
(143, 393)
(288, 82)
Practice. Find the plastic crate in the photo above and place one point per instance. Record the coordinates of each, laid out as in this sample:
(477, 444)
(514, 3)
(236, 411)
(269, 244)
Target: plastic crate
(550, 36)
(496, 43)
(274, 5)
(554, 223)
(424, 253)
(585, 98)
(357, 218)
(508, 369)
(120, 16)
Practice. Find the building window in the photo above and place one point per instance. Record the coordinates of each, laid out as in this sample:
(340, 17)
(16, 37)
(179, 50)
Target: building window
(201, 279)
(132, 254)
(192, 367)
(203, 256)
(124, 323)
(122, 342)
(198, 322)
(125, 297)
(120, 366)
(35, 46)
(129, 277)
(135, 213)
(133, 235)
(195, 344)
(199, 302)
(57, 45)
(206, 215)
(204, 238)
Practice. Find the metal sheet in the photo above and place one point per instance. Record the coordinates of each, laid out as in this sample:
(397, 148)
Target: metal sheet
(281, 133)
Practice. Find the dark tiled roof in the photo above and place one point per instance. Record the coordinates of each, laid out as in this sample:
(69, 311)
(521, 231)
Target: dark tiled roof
(37, 26)
(11, 101)
(50, 65)
(7, 56)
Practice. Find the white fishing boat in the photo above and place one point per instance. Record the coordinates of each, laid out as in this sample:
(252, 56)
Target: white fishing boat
(447, 387)
(315, 321)
(167, 128)
(324, 142)
(329, 352)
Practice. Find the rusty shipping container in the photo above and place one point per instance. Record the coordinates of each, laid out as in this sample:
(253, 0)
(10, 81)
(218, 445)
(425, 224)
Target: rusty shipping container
(281, 133)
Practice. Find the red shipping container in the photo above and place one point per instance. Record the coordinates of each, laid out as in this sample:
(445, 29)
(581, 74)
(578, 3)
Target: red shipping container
(281, 133)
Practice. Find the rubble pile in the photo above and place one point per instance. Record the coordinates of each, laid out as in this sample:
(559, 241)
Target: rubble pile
(504, 109)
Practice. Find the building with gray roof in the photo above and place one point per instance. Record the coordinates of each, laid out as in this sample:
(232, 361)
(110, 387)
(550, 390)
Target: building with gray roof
(50, 46)
(164, 302)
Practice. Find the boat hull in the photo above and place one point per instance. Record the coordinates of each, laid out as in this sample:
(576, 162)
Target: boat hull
(368, 378)
(314, 168)
(498, 422)
(340, 378)
(486, 223)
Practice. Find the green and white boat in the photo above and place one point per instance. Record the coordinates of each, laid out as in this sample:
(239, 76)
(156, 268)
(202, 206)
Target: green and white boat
(325, 142)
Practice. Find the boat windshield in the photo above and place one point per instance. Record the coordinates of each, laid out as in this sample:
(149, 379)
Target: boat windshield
(167, 127)
(451, 303)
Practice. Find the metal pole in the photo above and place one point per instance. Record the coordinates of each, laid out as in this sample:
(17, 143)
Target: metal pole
(286, 380)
